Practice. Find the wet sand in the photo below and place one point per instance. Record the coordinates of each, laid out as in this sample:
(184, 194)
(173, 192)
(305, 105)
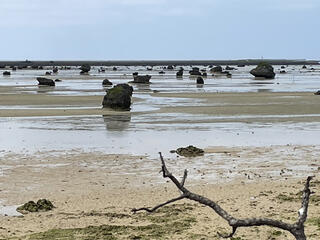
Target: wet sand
(92, 189)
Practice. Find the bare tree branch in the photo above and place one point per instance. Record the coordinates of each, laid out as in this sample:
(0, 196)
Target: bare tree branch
(296, 229)
(158, 206)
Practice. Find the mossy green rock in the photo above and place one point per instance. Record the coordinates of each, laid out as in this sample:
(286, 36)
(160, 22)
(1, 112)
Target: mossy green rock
(263, 70)
(118, 97)
(42, 205)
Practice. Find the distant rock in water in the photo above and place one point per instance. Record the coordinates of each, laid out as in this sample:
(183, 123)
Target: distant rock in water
(42, 205)
(180, 73)
(48, 73)
(190, 151)
(263, 70)
(6, 73)
(135, 74)
(230, 68)
(216, 69)
(55, 70)
(317, 92)
(283, 71)
(46, 81)
(114, 69)
(142, 79)
(118, 97)
(161, 72)
(283, 67)
(241, 65)
(58, 80)
(200, 80)
(204, 74)
(170, 67)
(85, 68)
(195, 72)
(304, 67)
(106, 82)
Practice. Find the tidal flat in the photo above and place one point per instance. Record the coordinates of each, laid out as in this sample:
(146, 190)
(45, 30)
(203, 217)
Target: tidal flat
(261, 141)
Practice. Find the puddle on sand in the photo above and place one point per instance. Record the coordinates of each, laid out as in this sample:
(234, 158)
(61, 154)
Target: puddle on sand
(131, 134)
(10, 211)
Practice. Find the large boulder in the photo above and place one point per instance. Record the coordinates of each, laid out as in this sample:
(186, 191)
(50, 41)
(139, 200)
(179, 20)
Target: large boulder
(6, 73)
(142, 79)
(118, 97)
(46, 81)
(263, 70)
(190, 151)
(85, 68)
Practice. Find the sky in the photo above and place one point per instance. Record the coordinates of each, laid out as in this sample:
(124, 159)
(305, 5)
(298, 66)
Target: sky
(159, 29)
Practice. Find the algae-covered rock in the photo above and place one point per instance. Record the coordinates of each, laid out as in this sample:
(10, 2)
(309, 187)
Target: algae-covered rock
(42, 205)
(118, 97)
(190, 151)
(263, 70)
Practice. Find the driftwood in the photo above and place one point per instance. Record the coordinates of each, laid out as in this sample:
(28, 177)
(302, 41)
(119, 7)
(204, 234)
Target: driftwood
(296, 229)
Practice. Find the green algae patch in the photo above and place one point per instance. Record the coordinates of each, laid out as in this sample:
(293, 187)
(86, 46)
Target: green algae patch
(42, 205)
(168, 221)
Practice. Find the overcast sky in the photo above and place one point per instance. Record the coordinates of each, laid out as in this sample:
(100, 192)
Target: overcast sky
(159, 29)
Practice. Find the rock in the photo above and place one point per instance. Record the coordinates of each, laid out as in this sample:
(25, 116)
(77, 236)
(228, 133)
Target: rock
(317, 92)
(58, 80)
(170, 67)
(263, 70)
(135, 74)
(142, 79)
(200, 80)
(229, 75)
(283, 67)
(195, 72)
(241, 65)
(149, 68)
(304, 67)
(161, 72)
(283, 71)
(42, 205)
(55, 70)
(216, 69)
(230, 68)
(180, 73)
(106, 82)
(114, 69)
(46, 81)
(118, 97)
(85, 68)
(6, 73)
(190, 151)
(48, 73)
(204, 74)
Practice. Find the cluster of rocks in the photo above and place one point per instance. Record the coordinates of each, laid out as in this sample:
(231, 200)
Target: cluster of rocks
(42, 205)
(85, 69)
(6, 73)
(180, 73)
(189, 151)
(118, 97)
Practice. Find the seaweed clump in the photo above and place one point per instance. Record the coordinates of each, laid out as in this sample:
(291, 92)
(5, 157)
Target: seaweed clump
(190, 151)
(42, 205)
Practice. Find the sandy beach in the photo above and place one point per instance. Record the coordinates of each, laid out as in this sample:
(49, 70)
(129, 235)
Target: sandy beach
(96, 164)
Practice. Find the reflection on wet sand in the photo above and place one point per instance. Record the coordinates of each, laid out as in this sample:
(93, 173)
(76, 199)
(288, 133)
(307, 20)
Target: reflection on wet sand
(118, 122)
